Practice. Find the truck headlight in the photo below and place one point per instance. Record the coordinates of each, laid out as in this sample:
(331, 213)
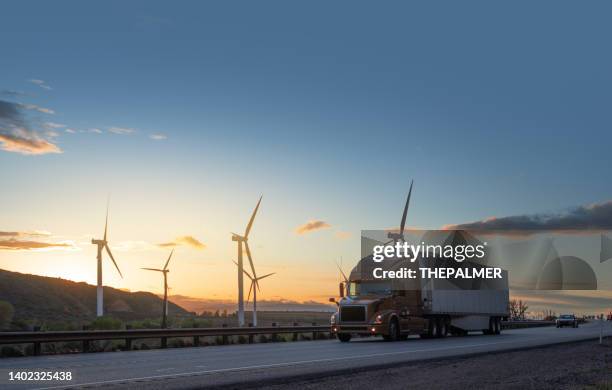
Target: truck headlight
(379, 319)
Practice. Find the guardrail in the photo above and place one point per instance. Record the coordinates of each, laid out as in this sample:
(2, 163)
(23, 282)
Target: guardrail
(526, 324)
(86, 336)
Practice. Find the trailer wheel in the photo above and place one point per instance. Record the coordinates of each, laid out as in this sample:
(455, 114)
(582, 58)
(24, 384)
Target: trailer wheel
(498, 327)
(442, 326)
(344, 337)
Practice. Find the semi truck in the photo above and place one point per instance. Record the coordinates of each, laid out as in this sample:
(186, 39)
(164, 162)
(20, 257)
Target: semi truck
(435, 309)
(425, 307)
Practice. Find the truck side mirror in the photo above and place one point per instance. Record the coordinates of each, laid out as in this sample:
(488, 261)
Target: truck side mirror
(341, 287)
(332, 300)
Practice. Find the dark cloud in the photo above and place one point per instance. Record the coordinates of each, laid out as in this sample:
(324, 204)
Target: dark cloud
(312, 226)
(16, 134)
(591, 217)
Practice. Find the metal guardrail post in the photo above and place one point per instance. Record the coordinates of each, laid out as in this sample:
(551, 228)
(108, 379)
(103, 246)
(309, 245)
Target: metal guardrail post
(37, 347)
(274, 336)
(196, 341)
(295, 334)
(314, 332)
(224, 342)
(250, 335)
(85, 342)
(128, 341)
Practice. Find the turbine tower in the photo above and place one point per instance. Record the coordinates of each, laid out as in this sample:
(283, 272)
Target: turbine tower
(165, 271)
(395, 237)
(254, 287)
(103, 244)
(240, 240)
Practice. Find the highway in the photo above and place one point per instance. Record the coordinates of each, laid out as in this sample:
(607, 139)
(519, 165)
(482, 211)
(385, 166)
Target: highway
(235, 364)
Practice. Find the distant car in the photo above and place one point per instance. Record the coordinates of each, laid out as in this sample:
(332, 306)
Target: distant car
(567, 320)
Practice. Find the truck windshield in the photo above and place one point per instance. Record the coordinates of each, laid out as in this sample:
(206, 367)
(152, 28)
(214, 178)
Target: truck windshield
(369, 288)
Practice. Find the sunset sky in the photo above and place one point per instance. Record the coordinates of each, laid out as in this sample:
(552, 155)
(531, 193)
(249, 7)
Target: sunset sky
(186, 113)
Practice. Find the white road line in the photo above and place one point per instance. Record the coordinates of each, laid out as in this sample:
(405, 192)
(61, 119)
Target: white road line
(273, 365)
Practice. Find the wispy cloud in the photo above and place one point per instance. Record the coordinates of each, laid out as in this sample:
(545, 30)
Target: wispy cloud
(54, 125)
(94, 130)
(121, 130)
(40, 83)
(596, 216)
(157, 137)
(17, 136)
(312, 226)
(34, 107)
(184, 240)
(70, 131)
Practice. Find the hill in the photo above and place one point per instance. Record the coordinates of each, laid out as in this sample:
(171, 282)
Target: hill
(38, 299)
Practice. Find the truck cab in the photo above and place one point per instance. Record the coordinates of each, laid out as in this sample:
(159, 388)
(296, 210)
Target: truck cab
(373, 308)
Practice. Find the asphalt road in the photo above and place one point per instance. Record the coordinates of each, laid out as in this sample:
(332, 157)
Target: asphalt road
(251, 364)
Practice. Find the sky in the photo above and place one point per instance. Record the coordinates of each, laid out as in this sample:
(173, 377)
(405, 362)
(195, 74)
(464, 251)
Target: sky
(186, 113)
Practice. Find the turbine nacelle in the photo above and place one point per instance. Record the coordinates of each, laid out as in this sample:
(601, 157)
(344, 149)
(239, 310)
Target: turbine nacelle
(239, 238)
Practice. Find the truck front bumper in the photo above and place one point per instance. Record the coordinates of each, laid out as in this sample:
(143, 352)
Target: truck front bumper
(365, 329)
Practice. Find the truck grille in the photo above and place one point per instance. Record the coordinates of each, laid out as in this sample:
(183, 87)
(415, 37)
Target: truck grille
(352, 314)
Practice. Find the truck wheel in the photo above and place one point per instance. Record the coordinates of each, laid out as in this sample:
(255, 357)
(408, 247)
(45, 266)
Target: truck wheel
(344, 337)
(394, 331)
(432, 328)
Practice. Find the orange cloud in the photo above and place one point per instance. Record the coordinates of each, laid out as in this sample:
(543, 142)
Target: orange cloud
(184, 240)
(16, 245)
(312, 226)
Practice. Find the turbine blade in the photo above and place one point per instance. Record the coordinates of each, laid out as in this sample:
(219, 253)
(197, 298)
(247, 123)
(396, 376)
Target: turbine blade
(248, 251)
(342, 272)
(166, 266)
(250, 289)
(106, 223)
(244, 271)
(248, 228)
(113, 259)
(403, 224)
(154, 269)
(265, 276)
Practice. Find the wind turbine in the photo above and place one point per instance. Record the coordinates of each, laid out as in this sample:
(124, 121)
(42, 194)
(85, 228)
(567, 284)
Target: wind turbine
(240, 240)
(254, 287)
(345, 279)
(165, 271)
(395, 237)
(103, 244)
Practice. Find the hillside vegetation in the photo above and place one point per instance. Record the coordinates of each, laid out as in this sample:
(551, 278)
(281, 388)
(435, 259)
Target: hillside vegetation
(38, 300)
